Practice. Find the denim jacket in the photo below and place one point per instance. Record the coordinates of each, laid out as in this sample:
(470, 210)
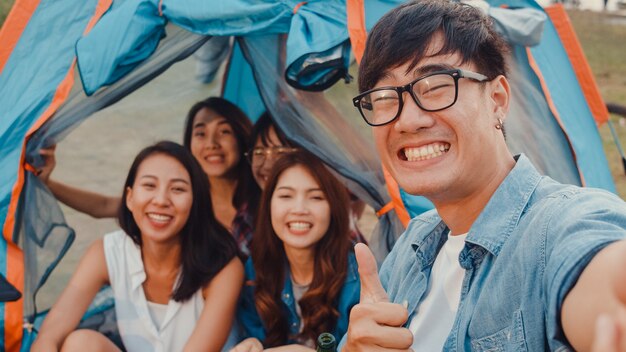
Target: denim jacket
(250, 320)
(522, 255)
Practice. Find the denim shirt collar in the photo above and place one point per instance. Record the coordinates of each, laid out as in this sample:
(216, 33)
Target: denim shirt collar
(492, 227)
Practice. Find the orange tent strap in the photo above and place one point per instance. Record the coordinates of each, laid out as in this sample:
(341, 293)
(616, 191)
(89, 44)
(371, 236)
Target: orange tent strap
(13, 27)
(385, 209)
(553, 109)
(13, 311)
(298, 6)
(102, 7)
(581, 67)
(356, 27)
(396, 199)
(29, 167)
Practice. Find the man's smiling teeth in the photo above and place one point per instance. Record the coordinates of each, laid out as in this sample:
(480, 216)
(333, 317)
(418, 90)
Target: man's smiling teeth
(159, 217)
(425, 152)
(298, 225)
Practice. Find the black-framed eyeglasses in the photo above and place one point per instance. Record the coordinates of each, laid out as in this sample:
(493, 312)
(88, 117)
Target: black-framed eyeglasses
(434, 91)
(258, 155)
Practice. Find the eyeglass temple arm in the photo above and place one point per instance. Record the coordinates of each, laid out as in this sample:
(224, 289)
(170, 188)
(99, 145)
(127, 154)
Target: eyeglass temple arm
(473, 75)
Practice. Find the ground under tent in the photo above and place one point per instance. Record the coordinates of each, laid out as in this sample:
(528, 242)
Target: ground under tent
(552, 119)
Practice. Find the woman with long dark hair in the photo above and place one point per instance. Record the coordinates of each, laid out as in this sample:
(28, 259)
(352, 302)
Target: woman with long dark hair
(301, 279)
(173, 268)
(217, 133)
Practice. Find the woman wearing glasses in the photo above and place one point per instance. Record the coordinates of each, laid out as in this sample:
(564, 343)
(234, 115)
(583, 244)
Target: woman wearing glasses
(217, 134)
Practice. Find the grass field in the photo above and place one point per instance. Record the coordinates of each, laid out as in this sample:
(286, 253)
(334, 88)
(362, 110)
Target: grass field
(5, 6)
(602, 36)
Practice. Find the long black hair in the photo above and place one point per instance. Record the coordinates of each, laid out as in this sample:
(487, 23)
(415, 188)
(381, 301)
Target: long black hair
(206, 246)
(247, 190)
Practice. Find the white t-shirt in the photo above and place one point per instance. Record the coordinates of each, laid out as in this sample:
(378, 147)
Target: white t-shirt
(135, 322)
(433, 321)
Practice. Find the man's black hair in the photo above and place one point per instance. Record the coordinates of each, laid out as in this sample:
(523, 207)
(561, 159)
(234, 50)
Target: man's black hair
(405, 34)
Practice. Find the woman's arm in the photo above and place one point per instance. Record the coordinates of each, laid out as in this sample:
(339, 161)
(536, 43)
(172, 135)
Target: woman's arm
(94, 204)
(220, 301)
(90, 275)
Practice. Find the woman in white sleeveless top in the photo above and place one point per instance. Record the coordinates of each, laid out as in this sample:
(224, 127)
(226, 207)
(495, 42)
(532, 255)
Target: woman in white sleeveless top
(173, 268)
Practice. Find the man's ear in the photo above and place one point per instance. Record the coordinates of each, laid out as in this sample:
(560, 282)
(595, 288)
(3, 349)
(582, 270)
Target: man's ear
(500, 94)
(129, 198)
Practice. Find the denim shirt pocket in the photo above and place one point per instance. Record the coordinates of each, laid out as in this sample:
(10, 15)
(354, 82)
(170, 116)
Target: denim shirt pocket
(510, 339)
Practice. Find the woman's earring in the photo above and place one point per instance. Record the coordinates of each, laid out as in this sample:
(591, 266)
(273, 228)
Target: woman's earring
(499, 125)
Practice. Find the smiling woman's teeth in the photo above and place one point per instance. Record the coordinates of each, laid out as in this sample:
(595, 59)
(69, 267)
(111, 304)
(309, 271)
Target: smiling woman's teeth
(299, 225)
(426, 151)
(159, 217)
(214, 158)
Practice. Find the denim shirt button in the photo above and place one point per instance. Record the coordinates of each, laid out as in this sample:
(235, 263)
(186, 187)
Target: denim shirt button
(294, 324)
(286, 296)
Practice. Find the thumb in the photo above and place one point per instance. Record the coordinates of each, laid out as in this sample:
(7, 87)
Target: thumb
(605, 339)
(372, 290)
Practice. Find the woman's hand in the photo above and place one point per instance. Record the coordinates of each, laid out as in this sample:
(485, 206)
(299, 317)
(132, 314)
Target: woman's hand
(50, 162)
(251, 344)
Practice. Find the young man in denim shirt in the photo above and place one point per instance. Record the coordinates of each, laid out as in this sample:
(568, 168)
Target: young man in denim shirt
(510, 260)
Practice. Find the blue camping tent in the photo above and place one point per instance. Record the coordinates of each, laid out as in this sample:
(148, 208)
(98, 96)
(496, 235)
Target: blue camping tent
(61, 61)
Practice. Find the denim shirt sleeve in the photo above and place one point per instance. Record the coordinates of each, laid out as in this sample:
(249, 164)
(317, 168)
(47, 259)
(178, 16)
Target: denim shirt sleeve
(582, 223)
(247, 314)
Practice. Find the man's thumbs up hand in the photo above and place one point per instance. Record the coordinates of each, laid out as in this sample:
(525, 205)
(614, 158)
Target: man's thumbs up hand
(372, 290)
(375, 323)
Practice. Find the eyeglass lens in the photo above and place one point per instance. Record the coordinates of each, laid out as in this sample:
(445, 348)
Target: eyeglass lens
(431, 93)
(258, 155)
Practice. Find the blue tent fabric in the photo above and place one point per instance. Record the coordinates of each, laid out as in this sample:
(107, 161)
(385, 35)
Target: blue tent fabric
(135, 35)
(573, 110)
(28, 89)
(240, 88)
(28, 82)
(129, 33)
